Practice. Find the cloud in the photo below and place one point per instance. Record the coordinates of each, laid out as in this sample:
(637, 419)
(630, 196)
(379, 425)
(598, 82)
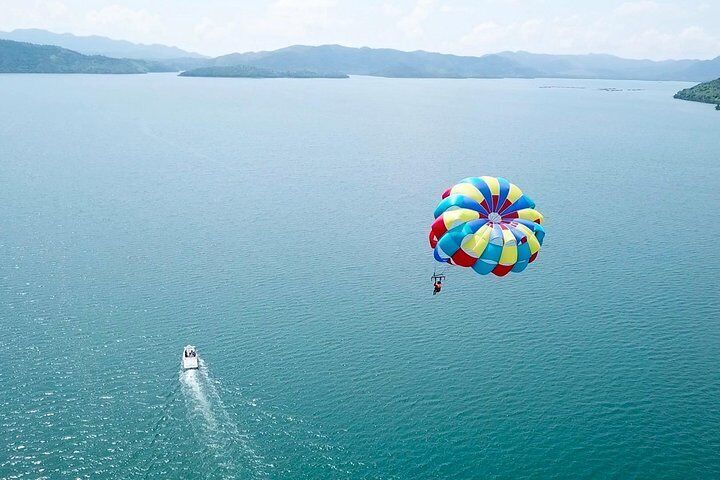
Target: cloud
(280, 23)
(55, 8)
(619, 32)
(412, 23)
(33, 14)
(491, 36)
(306, 12)
(642, 7)
(209, 32)
(635, 28)
(692, 41)
(120, 18)
(391, 10)
(288, 18)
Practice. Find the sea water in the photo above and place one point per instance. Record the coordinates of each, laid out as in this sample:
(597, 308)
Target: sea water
(281, 227)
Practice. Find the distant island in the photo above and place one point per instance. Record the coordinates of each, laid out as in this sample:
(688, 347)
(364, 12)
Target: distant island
(246, 71)
(708, 92)
(20, 57)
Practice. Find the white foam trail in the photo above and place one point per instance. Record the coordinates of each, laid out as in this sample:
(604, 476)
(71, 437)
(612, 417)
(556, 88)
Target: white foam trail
(190, 380)
(220, 433)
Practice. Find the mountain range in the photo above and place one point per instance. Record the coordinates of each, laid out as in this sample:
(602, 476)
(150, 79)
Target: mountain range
(384, 62)
(394, 63)
(611, 67)
(96, 45)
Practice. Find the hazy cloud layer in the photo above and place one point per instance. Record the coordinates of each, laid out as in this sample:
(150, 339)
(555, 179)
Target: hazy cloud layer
(640, 29)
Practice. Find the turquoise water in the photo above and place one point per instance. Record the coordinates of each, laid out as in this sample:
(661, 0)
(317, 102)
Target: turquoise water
(281, 226)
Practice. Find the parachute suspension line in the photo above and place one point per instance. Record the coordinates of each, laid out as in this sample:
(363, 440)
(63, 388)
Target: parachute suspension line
(438, 275)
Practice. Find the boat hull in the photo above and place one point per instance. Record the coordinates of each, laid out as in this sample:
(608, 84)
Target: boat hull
(190, 363)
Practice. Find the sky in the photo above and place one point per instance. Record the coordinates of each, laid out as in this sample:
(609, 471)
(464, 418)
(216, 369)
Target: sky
(655, 29)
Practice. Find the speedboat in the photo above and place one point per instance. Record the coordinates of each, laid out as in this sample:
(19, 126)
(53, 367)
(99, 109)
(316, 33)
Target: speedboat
(189, 358)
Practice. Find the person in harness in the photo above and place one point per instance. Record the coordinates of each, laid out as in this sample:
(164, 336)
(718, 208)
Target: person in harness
(437, 279)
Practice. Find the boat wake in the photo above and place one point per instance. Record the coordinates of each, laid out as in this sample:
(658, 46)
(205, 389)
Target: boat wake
(194, 434)
(215, 428)
(196, 392)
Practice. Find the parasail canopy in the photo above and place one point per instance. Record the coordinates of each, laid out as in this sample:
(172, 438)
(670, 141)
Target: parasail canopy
(487, 224)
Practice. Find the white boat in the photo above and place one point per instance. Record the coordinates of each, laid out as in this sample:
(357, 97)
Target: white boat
(189, 358)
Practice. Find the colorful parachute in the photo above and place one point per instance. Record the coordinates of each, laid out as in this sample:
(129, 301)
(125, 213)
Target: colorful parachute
(487, 224)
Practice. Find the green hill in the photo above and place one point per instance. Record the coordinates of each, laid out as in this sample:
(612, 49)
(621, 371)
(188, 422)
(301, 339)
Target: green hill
(19, 57)
(708, 92)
